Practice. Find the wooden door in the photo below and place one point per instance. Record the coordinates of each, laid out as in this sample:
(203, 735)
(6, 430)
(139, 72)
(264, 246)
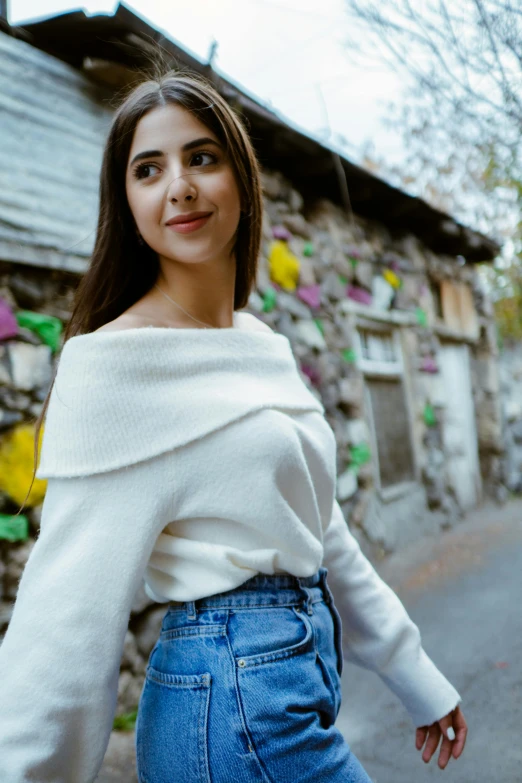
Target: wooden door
(460, 431)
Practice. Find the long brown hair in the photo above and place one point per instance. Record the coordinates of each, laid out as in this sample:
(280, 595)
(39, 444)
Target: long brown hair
(122, 270)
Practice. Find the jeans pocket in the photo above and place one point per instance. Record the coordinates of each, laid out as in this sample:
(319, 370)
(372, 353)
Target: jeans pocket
(171, 728)
(269, 636)
(289, 707)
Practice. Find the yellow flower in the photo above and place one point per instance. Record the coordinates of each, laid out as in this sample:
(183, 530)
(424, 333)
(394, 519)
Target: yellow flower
(16, 466)
(284, 266)
(391, 278)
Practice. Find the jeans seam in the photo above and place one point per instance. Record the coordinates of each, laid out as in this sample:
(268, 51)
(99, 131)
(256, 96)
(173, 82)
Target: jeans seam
(286, 605)
(242, 717)
(204, 770)
(163, 680)
(189, 633)
(202, 727)
(337, 622)
(240, 607)
(263, 660)
(268, 778)
(330, 685)
(252, 661)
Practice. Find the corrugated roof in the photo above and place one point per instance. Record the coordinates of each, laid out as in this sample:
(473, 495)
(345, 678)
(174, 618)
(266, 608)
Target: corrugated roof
(124, 39)
(52, 124)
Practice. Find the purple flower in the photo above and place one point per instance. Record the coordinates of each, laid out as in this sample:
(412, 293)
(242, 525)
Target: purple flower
(8, 322)
(310, 295)
(359, 295)
(281, 232)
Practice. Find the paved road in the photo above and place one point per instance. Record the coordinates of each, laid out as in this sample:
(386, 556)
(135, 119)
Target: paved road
(464, 590)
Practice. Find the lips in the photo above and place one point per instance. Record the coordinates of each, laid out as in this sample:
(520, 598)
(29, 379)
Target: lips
(191, 221)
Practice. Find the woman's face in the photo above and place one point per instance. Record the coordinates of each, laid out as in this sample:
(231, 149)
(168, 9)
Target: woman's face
(177, 169)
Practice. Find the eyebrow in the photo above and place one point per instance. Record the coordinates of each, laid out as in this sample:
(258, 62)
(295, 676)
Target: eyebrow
(188, 146)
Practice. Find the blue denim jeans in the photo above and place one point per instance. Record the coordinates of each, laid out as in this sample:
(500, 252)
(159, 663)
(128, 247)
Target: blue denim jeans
(244, 687)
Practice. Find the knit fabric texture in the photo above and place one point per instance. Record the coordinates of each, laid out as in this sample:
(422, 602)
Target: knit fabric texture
(191, 459)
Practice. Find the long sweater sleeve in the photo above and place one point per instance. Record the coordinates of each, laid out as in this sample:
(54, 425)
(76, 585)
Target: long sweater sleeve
(61, 655)
(377, 631)
(194, 458)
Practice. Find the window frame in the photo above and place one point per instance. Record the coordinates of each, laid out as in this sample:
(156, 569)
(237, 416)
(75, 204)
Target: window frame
(395, 371)
(380, 368)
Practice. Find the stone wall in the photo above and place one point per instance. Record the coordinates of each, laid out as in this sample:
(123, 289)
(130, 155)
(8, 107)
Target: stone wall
(364, 274)
(511, 396)
(321, 276)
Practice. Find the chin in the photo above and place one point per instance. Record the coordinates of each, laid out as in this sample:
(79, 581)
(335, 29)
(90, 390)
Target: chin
(193, 255)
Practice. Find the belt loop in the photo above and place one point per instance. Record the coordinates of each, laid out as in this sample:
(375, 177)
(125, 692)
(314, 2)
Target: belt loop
(308, 602)
(191, 610)
(327, 594)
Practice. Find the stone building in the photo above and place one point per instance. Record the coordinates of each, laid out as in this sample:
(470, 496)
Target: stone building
(377, 292)
(510, 362)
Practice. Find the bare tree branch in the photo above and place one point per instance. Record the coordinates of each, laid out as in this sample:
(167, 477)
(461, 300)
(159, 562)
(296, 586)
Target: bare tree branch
(461, 114)
(478, 50)
(508, 93)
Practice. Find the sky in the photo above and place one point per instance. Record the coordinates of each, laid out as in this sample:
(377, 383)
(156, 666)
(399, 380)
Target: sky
(290, 54)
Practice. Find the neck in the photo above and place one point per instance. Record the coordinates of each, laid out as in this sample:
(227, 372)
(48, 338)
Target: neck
(200, 292)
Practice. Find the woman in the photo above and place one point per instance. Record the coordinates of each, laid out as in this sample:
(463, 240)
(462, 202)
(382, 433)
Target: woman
(182, 445)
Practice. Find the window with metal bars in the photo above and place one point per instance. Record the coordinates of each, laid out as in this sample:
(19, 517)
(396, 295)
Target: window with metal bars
(391, 430)
(381, 362)
(378, 346)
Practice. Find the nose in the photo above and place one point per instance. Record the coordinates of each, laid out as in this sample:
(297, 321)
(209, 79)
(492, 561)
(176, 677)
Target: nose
(181, 189)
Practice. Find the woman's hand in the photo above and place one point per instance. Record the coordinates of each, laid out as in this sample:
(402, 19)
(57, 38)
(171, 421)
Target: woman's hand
(454, 730)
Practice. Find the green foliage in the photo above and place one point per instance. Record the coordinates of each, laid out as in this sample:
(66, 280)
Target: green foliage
(269, 300)
(508, 314)
(14, 528)
(430, 419)
(506, 285)
(349, 355)
(422, 318)
(47, 327)
(359, 455)
(503, 173)
(126, 721)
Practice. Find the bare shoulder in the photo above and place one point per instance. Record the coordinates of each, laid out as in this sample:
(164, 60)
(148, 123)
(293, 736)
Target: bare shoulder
(254, 324)
(123, 321)
(131, 320)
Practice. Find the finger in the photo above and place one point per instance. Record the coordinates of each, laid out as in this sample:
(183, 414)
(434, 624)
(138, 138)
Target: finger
(420, 737)
(445, 752)
(461, 732)
(446, 725)
(448, 737)
(432, 742)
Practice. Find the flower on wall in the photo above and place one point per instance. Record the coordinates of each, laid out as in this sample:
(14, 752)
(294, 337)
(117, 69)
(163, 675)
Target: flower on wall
(284, 265)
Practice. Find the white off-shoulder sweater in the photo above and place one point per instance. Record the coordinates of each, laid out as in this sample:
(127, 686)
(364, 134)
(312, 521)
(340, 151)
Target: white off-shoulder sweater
(193, 459)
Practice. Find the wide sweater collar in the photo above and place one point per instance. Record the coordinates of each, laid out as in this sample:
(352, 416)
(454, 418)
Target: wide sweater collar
(121, 397)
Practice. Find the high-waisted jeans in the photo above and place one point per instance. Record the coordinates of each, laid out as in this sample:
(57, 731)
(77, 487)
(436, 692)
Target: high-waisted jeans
(244, 687)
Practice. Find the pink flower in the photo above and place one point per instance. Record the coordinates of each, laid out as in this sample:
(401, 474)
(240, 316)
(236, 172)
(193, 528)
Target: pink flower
(8, 322)
(310, 295)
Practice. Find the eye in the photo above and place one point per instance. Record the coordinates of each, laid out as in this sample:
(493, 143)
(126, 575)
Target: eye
(141, 170)
(203, 159)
